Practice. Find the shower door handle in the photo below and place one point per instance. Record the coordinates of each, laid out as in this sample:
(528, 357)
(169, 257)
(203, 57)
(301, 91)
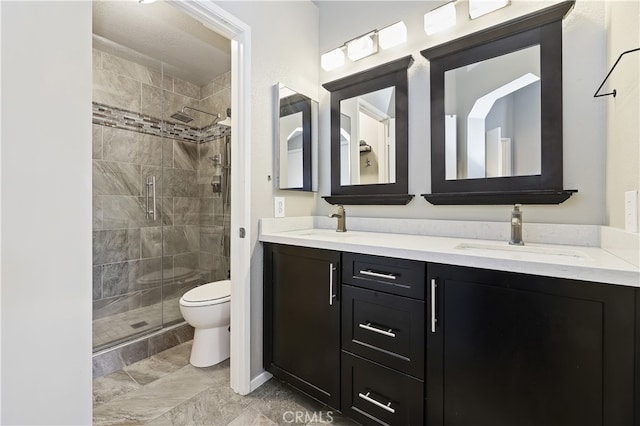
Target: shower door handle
(151, 188)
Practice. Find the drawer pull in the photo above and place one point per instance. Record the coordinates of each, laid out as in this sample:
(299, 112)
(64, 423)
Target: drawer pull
(378, 274)
(369, 327)
(374, 402)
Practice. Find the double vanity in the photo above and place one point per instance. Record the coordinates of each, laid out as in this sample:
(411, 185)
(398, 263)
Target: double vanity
(408, 329)
(400, 322)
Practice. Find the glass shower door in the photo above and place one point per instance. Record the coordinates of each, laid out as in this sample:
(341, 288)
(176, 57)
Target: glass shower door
(127, 174)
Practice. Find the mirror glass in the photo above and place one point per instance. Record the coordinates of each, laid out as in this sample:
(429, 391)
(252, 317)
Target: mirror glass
(296, 140)
(496, 113)
(367, 138)
(493, 117)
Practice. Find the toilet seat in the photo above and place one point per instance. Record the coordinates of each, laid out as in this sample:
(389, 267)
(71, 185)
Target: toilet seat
(208, 294)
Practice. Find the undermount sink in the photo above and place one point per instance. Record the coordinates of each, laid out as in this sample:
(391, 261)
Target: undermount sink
(532, 252)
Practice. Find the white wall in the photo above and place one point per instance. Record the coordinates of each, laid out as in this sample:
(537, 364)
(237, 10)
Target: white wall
(584, 62)
(46, 216)
(284, 48)
(623, 128)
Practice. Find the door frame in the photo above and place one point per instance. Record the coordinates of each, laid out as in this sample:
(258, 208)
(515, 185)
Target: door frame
(222, 22)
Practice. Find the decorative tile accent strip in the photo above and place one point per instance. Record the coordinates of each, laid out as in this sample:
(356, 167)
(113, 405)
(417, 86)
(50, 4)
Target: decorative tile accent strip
(110, 116)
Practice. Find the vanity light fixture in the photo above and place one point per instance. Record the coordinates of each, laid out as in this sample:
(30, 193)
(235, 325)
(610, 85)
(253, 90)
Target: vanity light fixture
(332, 59)
(365, 45)
(392, 36)
(362, 46)
(440, 18)
(478, 8)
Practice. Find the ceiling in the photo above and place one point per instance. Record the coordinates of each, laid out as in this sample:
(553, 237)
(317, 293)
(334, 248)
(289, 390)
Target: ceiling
(148, 33)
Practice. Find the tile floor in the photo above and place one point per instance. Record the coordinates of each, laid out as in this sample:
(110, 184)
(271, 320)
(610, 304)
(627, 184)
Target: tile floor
(166, 390)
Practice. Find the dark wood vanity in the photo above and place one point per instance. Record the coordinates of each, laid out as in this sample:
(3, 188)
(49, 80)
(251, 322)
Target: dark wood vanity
(404, 342)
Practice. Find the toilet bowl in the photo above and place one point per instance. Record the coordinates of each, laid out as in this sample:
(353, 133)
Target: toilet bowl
(207, 308)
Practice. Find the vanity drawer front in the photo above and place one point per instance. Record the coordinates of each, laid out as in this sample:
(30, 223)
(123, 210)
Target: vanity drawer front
(373, 394)
(384, 328)
(395, 276)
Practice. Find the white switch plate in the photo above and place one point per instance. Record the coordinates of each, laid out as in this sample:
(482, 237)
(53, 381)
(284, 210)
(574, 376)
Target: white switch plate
(278, 206)
(631, 211)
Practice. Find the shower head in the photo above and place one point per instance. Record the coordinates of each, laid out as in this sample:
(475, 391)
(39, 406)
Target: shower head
(186, 118)
(179, 115)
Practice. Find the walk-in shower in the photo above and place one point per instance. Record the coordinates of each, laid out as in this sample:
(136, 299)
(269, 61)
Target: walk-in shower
(159, 226)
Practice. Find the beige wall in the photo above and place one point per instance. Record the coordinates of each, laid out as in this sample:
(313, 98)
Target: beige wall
(46, 213)
(623, 111)
(584, 62)
(284, 48)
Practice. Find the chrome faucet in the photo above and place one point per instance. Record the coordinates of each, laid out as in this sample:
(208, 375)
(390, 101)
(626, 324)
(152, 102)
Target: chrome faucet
(342, 216)
(516, 226)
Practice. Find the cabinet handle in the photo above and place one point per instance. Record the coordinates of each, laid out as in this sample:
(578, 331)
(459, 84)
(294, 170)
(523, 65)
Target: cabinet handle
(376, 403)
(368, 326)
(332, 296)
(378, 274)
(434, 320)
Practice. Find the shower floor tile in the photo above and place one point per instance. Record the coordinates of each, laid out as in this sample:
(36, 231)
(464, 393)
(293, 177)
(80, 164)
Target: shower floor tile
(166, 390)
(116, 328)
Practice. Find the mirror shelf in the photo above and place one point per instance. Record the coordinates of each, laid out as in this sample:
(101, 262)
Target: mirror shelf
(369, 136)
(496, 113)
(502, 197)
(369, 199)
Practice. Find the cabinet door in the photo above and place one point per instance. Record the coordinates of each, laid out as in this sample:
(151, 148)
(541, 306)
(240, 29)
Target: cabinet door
(512, 349)
(302, 319)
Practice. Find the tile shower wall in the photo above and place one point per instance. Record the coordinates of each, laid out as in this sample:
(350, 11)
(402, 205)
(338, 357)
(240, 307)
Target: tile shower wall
(130, 143)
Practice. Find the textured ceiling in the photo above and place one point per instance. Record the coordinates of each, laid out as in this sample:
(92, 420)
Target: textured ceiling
(155, 32)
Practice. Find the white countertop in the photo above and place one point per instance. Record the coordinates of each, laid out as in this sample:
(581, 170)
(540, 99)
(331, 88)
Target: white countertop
(562, 261)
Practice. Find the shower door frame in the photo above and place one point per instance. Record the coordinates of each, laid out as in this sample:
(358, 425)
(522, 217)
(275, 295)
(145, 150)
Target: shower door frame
(222, 22)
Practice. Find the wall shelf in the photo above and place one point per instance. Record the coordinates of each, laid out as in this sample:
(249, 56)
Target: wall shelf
(550, 196)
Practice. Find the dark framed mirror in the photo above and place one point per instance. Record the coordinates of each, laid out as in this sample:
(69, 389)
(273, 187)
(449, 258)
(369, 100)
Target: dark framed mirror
(296, 140)
(369, 136)
(496, 113)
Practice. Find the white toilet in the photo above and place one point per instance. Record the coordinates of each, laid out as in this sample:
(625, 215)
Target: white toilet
(208, 309)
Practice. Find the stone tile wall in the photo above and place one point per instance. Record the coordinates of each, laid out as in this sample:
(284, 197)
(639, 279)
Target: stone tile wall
(130, 142)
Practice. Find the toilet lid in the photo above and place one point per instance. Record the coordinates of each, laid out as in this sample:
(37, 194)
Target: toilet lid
(210, 291)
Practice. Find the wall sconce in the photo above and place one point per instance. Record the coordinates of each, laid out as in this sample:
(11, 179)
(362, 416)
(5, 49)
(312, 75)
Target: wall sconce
(365, 45)
(482, 7)
(440, 18)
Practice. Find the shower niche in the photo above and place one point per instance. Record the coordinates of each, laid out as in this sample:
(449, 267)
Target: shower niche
(161, 208)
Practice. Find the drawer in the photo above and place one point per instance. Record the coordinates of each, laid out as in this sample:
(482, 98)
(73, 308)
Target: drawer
(376, 395)
(395, 276)
(385, 328)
